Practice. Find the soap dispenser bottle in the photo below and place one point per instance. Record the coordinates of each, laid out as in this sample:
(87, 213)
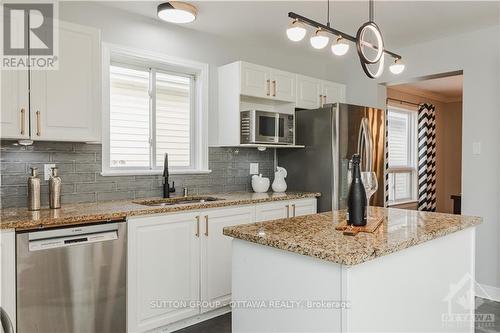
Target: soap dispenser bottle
(55, 189)
(34, 190)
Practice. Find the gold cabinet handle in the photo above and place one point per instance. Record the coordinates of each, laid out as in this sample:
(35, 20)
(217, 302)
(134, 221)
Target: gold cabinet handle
(274, 87)
(324, 99)
(38, 131)
(268, 93)
(287, 211)
(320, 100)
(206, 225)
(293, 210)
(22, 122)
(197, 226)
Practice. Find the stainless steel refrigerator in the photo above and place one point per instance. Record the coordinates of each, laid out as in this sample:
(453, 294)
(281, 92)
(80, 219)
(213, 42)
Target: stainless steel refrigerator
(331, 136)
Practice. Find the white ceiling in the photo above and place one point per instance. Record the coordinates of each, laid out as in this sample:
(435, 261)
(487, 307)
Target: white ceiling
(402, 22)
(444, 89)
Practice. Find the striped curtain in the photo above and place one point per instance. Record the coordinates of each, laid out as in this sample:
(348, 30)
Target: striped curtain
(427, 157)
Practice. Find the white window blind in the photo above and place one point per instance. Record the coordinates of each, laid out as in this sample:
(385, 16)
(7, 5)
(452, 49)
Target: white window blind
(402, 163)
(150, 115)
(129, 118)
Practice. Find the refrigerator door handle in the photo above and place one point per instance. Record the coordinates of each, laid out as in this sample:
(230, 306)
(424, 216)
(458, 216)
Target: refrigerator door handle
(365, 144)
(6, 322)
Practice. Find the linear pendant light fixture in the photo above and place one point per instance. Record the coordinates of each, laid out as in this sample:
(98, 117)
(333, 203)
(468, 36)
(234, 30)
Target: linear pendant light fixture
(177, 12)
(371, 55)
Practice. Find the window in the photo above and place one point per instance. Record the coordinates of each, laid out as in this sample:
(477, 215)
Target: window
(155, 107)
(402, 149)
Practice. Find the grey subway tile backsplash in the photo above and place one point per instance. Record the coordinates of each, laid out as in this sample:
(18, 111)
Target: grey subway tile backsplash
(80, 170)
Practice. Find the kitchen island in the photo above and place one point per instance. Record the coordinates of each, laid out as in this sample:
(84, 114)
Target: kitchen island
(414, 274)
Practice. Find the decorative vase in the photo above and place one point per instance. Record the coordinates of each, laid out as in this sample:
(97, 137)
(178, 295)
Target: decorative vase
(279, 184)
(260, 184)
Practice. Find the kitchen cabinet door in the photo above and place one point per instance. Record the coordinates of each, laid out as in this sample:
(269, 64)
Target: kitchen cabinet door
(216, 252)
(66, 103)
(333, 92)
(283, 85)
(303, 207)
(255, 80)
(308, 92)
(14, 117)
(272, 211)
(163, 265)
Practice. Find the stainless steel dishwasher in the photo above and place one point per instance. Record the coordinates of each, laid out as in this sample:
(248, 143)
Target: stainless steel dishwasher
(72, 279)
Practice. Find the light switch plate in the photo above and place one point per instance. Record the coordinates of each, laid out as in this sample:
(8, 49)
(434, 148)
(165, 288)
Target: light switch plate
(476, 148)
(254, 168)
(47, 170)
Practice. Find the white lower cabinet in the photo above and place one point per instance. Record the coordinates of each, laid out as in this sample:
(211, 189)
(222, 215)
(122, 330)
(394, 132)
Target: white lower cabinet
(179, 264)
(216, 253)
(284, 209)
(163, 266)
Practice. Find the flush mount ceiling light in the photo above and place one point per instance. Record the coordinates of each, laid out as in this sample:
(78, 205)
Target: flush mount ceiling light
(369, 42)
(177, 12)
(340, 47)
(296, 31)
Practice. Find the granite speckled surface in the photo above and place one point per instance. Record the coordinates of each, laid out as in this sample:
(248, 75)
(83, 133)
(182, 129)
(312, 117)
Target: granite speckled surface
(22, 219)
(315, 235)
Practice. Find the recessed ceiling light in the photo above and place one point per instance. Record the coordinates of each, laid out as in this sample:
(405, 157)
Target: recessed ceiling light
(177, 12)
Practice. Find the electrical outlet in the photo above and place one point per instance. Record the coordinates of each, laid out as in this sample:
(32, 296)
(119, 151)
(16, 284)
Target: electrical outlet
(47, 171)
(254, 168)
(476, 148)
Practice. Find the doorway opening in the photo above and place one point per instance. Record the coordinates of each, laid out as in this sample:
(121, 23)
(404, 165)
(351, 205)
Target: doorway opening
(424, 167)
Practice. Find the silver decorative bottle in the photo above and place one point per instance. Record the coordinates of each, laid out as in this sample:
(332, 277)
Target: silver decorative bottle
(55, 189)
(34, 190)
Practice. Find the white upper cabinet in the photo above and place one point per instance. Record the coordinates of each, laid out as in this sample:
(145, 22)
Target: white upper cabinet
(313, 93)
(282, 85)
(14, 117)
(265, 82)
(308, 92)
(333, 92)
(66, 103)
(255, 80)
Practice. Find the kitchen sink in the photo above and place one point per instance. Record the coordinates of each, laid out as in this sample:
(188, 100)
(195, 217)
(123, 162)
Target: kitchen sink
(177, 201)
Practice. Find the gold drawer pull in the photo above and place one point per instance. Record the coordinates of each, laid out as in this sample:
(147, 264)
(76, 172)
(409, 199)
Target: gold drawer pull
(274, 87)
(197, 226)
(38, 131)
(206, 225)
(22, 122)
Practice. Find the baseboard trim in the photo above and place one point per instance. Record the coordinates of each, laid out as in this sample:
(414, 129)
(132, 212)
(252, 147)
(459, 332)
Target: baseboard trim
(488, 292)
(192, 320)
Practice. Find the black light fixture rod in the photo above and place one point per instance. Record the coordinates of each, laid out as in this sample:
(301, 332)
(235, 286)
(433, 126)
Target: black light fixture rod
(370, 11)
(336, 32)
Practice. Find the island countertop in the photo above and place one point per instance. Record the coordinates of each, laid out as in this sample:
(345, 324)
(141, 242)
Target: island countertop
(315, 235)
(22, 219)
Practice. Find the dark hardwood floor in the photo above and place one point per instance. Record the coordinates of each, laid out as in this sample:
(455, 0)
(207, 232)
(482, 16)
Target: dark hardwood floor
(484, 306)
(222, 324)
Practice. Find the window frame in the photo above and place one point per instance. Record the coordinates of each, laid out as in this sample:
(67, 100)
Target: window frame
(412, 168)
(152, 61)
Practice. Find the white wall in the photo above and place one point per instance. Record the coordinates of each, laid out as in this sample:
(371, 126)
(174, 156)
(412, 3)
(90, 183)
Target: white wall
(126, 29)
(477, 54)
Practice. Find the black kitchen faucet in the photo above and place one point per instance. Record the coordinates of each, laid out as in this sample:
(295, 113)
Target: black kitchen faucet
(166, 186)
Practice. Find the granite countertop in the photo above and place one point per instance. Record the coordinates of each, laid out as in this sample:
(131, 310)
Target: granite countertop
(22, 219)
(315, 235)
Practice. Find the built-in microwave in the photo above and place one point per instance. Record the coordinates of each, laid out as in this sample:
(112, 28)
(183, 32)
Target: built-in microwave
(267, 127)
